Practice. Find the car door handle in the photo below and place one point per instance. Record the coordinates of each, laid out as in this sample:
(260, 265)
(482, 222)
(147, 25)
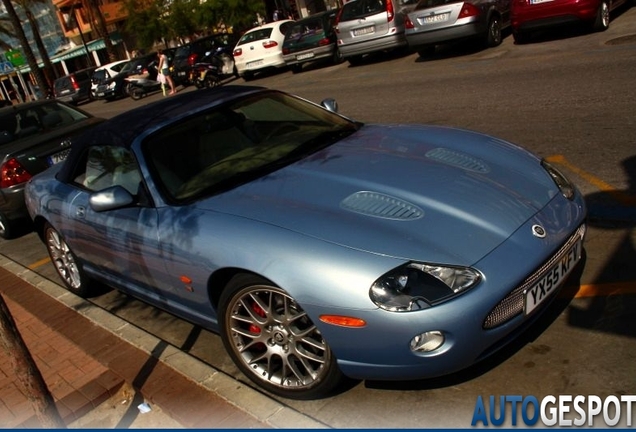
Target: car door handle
(80, 212)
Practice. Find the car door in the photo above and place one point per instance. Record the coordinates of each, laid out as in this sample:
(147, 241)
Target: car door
(120, 245)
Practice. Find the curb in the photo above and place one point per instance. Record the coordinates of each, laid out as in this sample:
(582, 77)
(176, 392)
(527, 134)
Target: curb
(260, 406)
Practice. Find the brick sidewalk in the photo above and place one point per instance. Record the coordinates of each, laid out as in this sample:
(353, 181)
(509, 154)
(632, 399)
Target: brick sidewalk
(84, 364)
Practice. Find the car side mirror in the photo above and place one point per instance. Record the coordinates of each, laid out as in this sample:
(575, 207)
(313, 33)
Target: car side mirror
(330, 105)
(112, 198)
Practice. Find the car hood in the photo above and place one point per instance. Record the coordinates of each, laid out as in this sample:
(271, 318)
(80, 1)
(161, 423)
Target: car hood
(423, 193)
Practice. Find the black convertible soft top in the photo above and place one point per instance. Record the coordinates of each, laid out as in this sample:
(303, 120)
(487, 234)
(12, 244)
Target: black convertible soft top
(124, 128)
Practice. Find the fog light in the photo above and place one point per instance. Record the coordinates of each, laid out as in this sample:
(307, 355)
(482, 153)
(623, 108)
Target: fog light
(427, 342)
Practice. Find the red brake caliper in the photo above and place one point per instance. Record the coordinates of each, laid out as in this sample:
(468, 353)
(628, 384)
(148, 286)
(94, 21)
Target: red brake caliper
(260, 312)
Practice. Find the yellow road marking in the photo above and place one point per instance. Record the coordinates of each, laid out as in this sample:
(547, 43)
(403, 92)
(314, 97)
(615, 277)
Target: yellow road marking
(606, 290)
(621, 197)
(39, 263)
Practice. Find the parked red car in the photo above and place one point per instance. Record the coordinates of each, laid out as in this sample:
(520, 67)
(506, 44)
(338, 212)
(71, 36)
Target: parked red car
(528, 15)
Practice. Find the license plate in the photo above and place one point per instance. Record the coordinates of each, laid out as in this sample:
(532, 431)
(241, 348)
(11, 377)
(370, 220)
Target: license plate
(540, 291)
(101, 94)
(254, 64)
(59, 157)
(436, 18)
(304, 56)
(181, 73)
(364, 31)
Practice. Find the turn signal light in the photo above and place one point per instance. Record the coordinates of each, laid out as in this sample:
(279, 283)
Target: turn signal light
(343, 321)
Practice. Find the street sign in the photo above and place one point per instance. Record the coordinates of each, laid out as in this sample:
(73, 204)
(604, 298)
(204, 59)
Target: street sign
(6, 67)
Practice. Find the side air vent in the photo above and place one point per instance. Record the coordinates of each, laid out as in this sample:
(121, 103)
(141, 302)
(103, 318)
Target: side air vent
(459, 160)
(381, 206)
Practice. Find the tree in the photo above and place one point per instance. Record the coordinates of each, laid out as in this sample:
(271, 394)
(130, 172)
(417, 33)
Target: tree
(26, 48)
(6, 29)
(145, 21)
(30, 377)
(97, 18)
(180, 19)
(49, 70)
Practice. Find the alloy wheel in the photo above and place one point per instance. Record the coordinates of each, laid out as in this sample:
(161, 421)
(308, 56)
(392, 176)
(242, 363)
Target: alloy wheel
(63, 260)
(274, 339)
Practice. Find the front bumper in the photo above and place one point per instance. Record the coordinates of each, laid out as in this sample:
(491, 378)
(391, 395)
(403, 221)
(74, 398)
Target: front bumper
(381, 350)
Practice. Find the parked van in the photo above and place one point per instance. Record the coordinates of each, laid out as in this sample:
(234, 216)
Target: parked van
(74, 87)
(366, 26)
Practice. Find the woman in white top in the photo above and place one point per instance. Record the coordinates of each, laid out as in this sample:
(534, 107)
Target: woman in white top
(164, 69)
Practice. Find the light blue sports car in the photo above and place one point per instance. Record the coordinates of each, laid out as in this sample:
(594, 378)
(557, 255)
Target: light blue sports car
(317, 246)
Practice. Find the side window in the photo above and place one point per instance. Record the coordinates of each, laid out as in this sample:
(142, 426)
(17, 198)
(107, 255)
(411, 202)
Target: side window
(108, 166)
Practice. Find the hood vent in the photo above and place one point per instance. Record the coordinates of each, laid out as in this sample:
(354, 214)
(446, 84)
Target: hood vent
(381, 206)
(459, 160)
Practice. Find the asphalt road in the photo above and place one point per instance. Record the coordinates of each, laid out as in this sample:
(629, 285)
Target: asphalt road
(569, 96)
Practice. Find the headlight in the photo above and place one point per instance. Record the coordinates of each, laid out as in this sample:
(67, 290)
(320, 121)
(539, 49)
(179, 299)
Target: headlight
(112, 85)
(416, 286)
(564, 185)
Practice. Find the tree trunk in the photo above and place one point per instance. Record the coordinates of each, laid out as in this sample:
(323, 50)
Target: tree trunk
(26, 48)
(97, 19)
(25, 368)
(49, 71)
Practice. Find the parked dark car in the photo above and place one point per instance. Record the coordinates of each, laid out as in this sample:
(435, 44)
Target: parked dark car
(74, 87)
(189, 54)
(117, 86)
(310, 39)
(104, 73)
(33, 137)
(434, 22)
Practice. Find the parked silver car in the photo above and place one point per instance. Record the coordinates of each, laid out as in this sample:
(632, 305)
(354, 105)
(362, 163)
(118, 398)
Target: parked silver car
(434, 22)
(366, 26)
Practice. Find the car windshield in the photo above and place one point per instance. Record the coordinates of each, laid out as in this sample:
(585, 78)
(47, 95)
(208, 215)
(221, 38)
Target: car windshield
(425, 4)
(100, 75)
(219, 149)
(256, 35)
(361, 8)
(305, 28)
(38, 119)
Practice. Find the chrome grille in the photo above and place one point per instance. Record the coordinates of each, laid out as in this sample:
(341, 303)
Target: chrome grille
(512, 304)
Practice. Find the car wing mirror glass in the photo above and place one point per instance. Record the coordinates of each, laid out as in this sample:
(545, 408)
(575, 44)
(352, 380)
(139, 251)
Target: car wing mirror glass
(330, 105)
(112, 198)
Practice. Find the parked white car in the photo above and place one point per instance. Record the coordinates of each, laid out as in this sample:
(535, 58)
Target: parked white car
(105, 72)
(261, 48)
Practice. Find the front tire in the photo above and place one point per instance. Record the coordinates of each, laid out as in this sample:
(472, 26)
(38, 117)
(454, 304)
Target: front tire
(273, 341)
(66, 263)
(136, 93)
